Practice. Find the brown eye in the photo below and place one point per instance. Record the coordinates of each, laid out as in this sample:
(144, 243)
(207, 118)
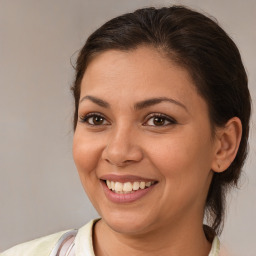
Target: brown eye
(94, 120)
(97, 120)
(158, 121)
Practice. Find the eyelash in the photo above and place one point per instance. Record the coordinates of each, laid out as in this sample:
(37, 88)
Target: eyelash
(84, 119)
(171, 121)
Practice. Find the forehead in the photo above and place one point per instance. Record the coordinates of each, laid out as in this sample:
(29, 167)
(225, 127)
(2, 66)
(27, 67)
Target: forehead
(144, 65)
(138, 74)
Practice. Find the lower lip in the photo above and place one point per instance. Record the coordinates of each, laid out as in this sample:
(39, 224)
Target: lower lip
(125, 198)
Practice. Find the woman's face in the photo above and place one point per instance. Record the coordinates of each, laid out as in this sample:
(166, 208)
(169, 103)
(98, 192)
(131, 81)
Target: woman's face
(143, 129)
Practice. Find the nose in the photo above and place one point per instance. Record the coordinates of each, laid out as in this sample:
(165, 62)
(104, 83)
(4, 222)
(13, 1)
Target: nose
(122, 148)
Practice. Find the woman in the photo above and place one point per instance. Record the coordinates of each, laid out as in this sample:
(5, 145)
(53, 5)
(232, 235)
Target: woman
(161, 125)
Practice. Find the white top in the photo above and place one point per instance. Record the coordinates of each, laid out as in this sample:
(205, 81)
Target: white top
(83, 244)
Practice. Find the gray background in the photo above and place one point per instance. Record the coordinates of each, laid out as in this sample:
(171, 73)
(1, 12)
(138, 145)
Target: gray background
(40, 192)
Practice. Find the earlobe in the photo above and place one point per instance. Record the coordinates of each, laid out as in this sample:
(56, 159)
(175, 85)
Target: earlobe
(228, 141)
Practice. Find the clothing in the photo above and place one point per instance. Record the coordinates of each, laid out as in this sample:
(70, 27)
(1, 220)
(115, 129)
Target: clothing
(83, 244)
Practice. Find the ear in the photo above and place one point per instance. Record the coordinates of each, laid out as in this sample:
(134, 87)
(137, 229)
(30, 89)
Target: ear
(227, 143)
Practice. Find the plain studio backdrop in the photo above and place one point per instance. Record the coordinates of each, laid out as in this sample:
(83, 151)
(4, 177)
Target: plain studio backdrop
(40, 192)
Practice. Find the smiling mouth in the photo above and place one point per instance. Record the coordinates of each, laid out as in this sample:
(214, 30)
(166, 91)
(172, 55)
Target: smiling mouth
(128, 187)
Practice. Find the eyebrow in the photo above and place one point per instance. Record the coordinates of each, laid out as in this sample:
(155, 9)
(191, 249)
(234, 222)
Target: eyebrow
(97, 101)
(139, 105)
(154, 101)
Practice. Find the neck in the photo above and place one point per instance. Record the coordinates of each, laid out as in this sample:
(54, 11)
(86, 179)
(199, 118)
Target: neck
(187, 239)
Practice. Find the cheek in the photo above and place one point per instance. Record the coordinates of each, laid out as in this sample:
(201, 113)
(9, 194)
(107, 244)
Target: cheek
(86, 154)
(184, 166)
(183, 159)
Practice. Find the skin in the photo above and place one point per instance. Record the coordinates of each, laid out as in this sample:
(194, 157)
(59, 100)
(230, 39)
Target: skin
(180, 155)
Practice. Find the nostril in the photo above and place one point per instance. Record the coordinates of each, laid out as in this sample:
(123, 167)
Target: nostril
(122, 154)
(119, 164)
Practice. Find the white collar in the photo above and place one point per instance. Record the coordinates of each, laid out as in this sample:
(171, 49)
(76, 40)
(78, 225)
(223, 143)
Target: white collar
(84, 243)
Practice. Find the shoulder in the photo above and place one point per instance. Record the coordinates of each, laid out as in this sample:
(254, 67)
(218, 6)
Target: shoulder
(47, 245)
(41, 246)
(83, 241)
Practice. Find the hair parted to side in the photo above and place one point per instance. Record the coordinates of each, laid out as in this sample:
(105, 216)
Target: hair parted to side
(199, 44)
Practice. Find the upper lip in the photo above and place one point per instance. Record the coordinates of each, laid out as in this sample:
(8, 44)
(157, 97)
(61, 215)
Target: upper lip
(124, 178)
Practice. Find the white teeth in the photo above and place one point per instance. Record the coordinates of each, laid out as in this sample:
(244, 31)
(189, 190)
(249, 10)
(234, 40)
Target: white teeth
(142, 185)
(148, 184)
(127, 187)
(118, 187)
(112, 185)
(109, 184)
(136, 185)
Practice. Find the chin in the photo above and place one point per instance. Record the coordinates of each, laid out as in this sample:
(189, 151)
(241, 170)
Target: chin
(128, 223)
(125, 226)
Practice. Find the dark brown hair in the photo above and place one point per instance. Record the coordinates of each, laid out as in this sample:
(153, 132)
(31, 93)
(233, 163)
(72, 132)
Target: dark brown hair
(200, 45)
